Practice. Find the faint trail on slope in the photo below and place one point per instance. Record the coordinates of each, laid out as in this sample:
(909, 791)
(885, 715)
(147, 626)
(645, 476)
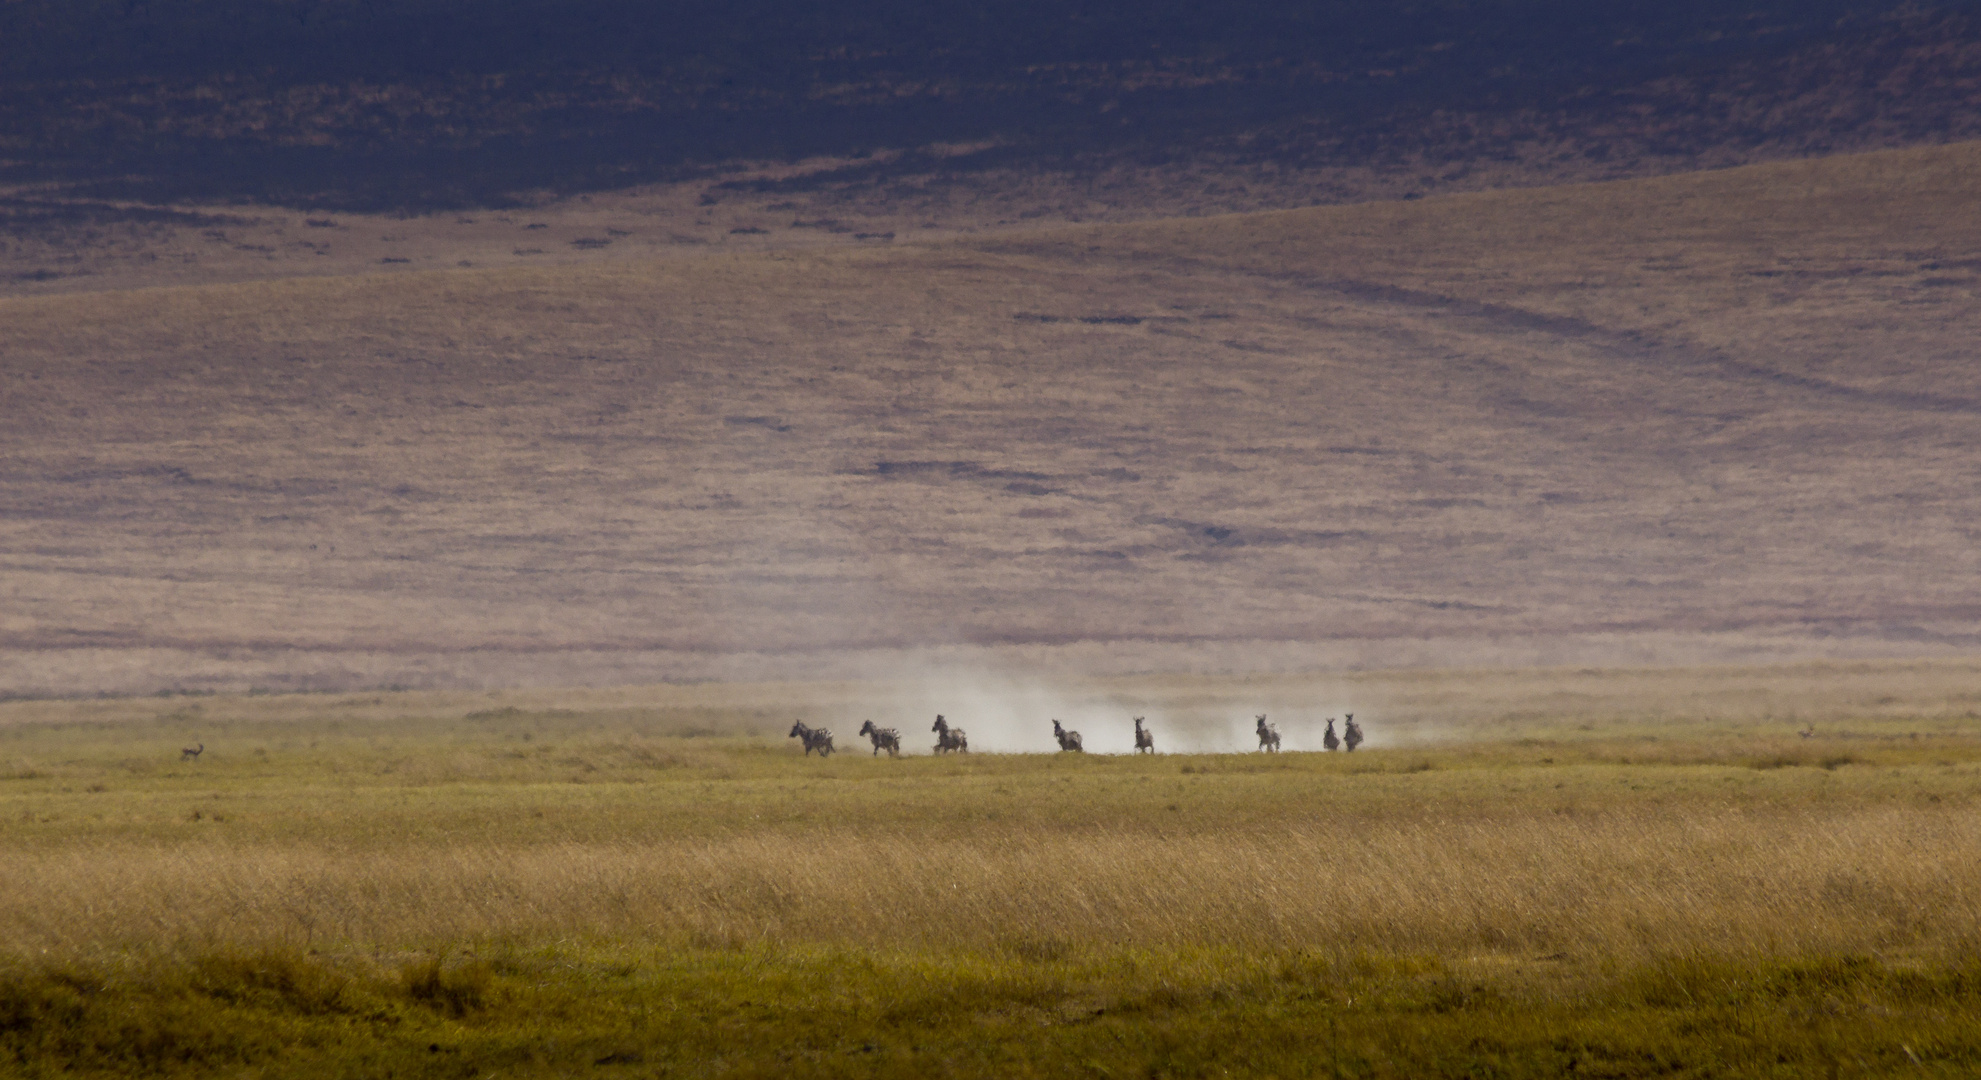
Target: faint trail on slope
(1630, 345)
(1623, 344)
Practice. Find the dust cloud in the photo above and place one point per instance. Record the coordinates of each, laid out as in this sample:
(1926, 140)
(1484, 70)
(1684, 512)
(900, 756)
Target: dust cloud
(1011, 712)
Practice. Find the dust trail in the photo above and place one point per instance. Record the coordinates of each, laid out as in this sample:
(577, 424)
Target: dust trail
(1230, 725)
(1012, 712)
(1003, 713)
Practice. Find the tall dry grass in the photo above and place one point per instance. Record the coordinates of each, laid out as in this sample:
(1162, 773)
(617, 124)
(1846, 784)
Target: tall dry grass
(1621, 884)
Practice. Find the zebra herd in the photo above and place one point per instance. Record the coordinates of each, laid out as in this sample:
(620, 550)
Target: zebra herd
(947, 739)
(952, 739)
(1350, 738)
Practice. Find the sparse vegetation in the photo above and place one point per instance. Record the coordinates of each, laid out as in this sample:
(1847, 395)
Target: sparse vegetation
(429, 884)
(1397, 433)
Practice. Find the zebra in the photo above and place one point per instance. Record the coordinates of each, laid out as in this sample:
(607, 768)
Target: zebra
(1330, 740)
(1268, 736)
(949, 739)
(1068, 740)
(1352, 737)
(1144, 738)
(819, 739)
(885, 738)
(192, 753)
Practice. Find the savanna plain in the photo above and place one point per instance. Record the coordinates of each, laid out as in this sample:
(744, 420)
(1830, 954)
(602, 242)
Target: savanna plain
(718, 451)
(1608, 872)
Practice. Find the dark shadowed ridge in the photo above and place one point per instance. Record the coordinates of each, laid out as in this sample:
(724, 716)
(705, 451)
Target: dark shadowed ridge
(431, 103)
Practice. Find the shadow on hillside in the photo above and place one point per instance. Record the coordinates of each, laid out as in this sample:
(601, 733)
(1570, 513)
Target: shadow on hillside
(1421, 115)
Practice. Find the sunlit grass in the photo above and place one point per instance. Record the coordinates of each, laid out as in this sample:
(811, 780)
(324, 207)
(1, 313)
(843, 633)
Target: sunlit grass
(344, 883)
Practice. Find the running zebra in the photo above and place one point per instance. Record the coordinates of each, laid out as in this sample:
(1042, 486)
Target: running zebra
(949, 739)
(885, 738)
(1268, 736)
(1352, 733)
(1144, 738)
(1330, 739)
(1068, 740)
(819, 739)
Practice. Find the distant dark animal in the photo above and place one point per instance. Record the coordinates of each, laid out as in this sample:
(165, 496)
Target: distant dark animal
(1144, 738)
(948, 739)
(1329, 739)
(1351, 733)
(1268, 736)
(192, 753)
(884, 738)
(1068, 740)
(819, 739)
(1808, 731)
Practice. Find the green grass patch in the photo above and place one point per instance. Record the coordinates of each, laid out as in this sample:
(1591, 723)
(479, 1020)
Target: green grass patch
(1102, 1012)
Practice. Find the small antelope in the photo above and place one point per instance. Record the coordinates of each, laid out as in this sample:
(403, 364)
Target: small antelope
(1144, 738)
(1268, 736)
(192, 753)
(948, 739)
(885, 738)
(1329, 739)
(1068, 740)
(1808, 731)
(1352, 732)
(819, 739)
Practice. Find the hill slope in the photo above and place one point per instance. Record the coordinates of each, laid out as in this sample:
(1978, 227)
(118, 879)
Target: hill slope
(1716, 415)
(423, 104)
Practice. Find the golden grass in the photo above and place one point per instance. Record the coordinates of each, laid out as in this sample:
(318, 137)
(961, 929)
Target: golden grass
(1548, 824)
(1615, 884)
(1527, 872)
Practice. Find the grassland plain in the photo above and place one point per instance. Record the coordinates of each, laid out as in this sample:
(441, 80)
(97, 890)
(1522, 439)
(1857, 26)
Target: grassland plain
(1704, 417)
(1725, 872)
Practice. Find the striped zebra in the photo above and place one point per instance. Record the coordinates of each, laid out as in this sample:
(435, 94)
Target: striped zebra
(1268, 736)
(1330, 739)
(1068, 740)
(1144, 738)
(1352, 733)
(948, 739)
(884, 738)
(819, 739)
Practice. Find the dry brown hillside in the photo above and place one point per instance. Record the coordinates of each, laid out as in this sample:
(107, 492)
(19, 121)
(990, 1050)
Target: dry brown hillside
(1722, 415)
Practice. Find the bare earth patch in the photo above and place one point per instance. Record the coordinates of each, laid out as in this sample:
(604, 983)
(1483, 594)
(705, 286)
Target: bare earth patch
(1719, 415)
